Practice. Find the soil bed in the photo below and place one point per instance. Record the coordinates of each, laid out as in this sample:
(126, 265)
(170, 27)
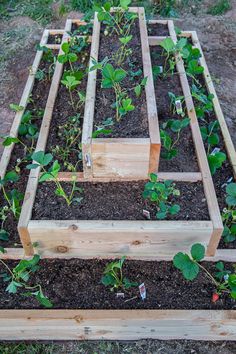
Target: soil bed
(63, 111)
(55, 38)
(116, 201)
(36, 106)
(82, 30)
(135, 123)
(76, 284)
(158, 29)
(186, 160)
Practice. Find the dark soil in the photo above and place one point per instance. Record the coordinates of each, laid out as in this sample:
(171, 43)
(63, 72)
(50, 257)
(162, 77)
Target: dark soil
(55, 38)
(63, 110)
(135, 123)
(186, 160)
(223, 175)
(158, 29)
(82, 30)
(76, 284)
(38, 101)
(116, 201)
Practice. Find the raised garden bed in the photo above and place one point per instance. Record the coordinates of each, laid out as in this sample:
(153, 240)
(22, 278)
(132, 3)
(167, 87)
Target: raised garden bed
(134, 146)
(109, 222)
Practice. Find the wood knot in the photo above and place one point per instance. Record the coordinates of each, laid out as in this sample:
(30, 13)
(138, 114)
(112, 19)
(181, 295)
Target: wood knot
(74, 227)
(136, 243)
(62, 249)
(78, 319)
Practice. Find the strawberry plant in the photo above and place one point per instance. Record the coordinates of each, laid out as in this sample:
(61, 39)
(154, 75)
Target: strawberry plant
(168, 144)
(18, 278)
(229, 214)
(176, 103)
(70, 134)
(71, 83)
(210, 134)
(104, 129)
(160, 193)
(216, 159)
(12, 197)
(67, 56)
(170, 50)
(203, 101)
(113, 276)
(40, 159)
(190, 266)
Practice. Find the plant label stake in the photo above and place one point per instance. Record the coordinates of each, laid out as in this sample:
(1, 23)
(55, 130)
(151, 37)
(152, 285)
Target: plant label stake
(146, 214)
(160, 69)
(142, 291)
(178, 106)
(215, 150)
(88, 161)
(122, 295)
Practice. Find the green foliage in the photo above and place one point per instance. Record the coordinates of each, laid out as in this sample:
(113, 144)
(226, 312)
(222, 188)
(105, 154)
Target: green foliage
(210, 134)
(12, 197)
(113, 276)
(169, 149)
(229, 214)
(18, 278)
(104, 129)
(159, 193)
(40, 159)
(219, 8)
(216, 160)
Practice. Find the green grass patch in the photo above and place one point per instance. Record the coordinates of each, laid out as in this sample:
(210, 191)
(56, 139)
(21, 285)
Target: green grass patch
(220, 8)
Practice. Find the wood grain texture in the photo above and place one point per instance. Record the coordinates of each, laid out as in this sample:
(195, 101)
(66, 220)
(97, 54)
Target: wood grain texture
(96, 238)
(209, 189)
(117, 324)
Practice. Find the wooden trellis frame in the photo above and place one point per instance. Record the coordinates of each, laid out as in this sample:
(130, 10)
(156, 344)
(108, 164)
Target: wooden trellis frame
(121, 157)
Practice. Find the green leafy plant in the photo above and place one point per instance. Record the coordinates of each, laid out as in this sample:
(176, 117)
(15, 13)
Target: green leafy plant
(40, 159)
(67, 56)
(173, 104)
(4, 235)
(229, 214)
(203, 101)
(112, 78)
(48, 55)
(18, 277)
(113, 276)
(190, 266)
(210, 134)
(104, 129)
(171, 50)
(71, 83)
(160, 193)
(123, 52)
(216, 160)
(12, 197)
(169, 149)
(70, 135)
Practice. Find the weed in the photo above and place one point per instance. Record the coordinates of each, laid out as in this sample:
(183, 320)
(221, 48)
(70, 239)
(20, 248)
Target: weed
(113, 276)
(220, 8)
(159, 193)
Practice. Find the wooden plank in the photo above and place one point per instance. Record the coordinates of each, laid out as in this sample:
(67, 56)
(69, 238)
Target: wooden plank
(120, 157)
(175, 176)
(153, 22)
(217, 108)
(213, 206)
(23, 102)
(90, 102)
(96, 238)
(156, 40)
(153, 123)
(117, 324)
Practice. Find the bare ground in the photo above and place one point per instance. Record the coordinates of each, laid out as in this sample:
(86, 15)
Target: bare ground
(18, 38)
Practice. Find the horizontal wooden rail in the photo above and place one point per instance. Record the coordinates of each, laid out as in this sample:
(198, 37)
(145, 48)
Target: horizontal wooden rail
(117, 324)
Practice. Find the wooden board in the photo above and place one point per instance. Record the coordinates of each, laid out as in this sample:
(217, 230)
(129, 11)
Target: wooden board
(23, 102)
(117, 324)
(99, 160)
(96, 238)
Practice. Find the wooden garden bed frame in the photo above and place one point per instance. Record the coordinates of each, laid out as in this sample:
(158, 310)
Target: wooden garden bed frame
(137, 239)
(118, 324)
(121, 157)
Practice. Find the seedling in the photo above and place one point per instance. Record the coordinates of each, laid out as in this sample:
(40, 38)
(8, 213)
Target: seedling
(48, 55)
(176, 104)
(138, 89)
(123, 52)
(190, 265)
(112, 78)
(169, 145)
(204, 102)
(13, 197)
(171, 50)
(70, 134)
(68, 56)
(4, 235)
(71, 84)
(160, 193)
(113, 276)
(104, 129)
(40, 159)
(18, 278)
(229, 214)
(215, 160)
(210, 134)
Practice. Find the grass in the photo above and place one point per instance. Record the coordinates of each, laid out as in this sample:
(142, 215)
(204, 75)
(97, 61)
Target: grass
(220, 8)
